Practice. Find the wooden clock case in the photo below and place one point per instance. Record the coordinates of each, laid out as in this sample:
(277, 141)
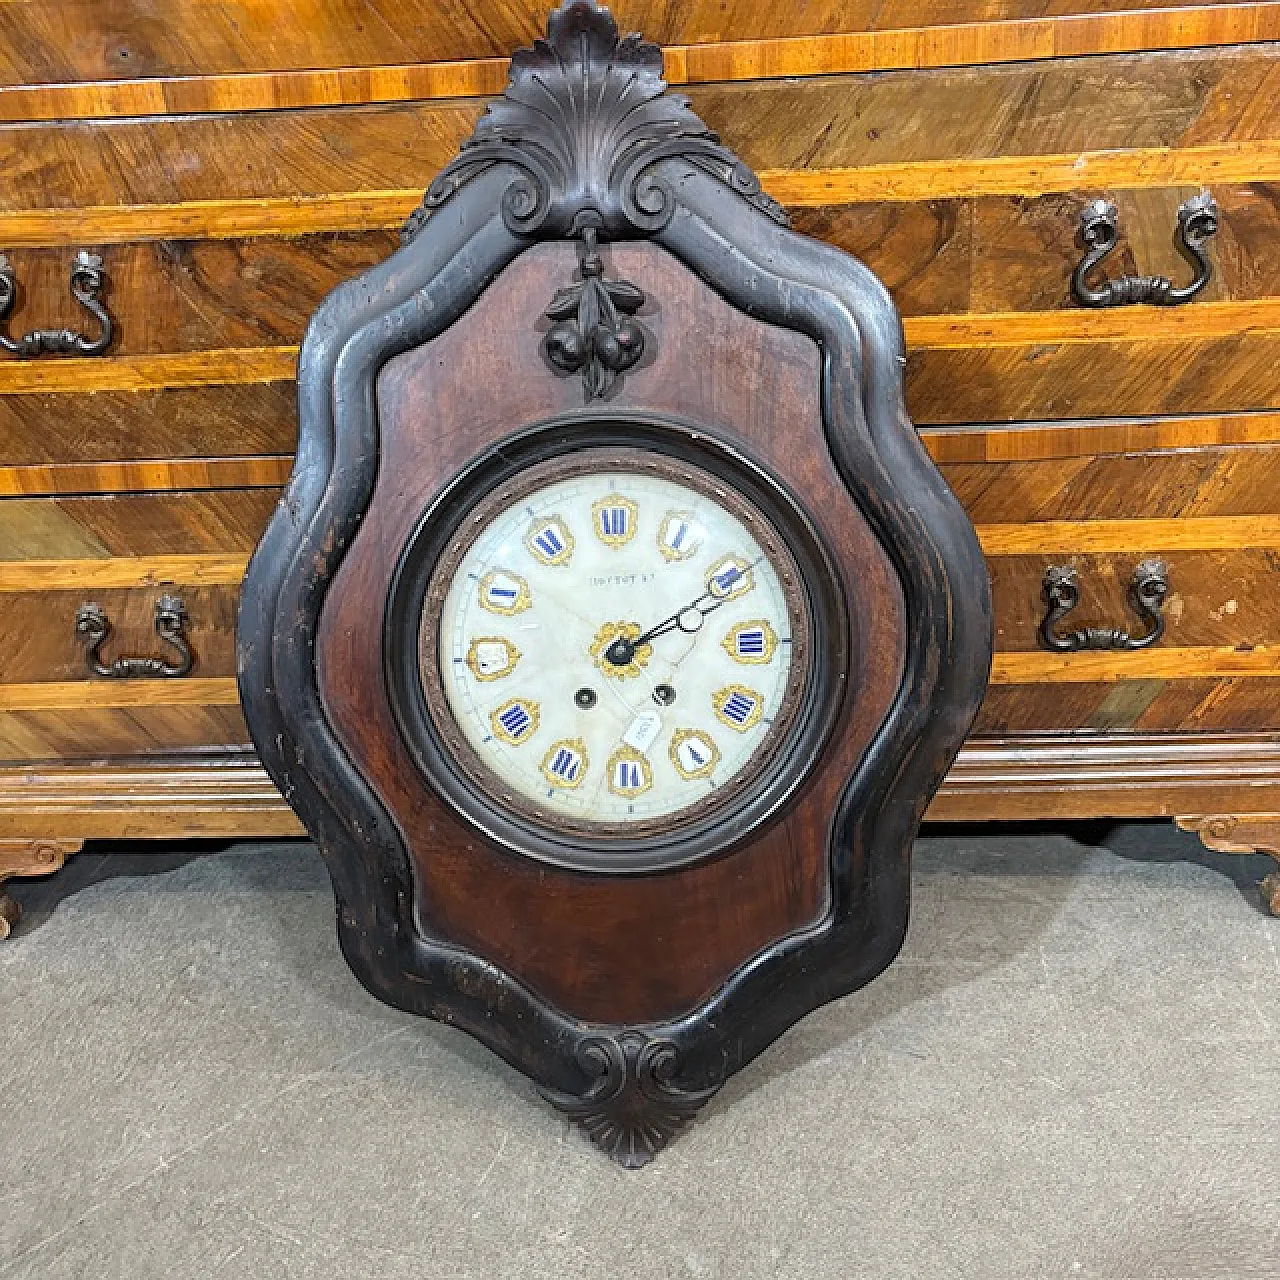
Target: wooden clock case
(627, 998)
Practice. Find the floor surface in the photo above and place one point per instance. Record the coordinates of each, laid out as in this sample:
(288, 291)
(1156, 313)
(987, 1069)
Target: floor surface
(1072, 1070)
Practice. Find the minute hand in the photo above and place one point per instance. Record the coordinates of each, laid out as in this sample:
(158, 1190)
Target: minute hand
(687, 619)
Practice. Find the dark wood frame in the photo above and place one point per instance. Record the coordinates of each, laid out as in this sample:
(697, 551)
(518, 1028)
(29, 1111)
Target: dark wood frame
(518, 181)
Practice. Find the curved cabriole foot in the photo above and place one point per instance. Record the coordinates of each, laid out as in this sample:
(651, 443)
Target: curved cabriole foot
(1242, 833)
(28, 858)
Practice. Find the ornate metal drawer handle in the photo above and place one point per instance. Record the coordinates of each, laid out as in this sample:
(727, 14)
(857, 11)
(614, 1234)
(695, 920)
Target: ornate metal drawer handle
(87, 280)
(1197, 222)
(1147, 591)
(93, 628)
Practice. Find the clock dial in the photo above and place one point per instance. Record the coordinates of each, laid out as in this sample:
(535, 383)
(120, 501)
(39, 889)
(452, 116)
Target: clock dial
(619, 643)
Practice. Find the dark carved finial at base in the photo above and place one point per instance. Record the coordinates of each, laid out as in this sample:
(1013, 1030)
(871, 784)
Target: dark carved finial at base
(631, 1110)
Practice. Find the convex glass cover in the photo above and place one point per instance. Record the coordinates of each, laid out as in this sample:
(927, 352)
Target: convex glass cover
(620, 642)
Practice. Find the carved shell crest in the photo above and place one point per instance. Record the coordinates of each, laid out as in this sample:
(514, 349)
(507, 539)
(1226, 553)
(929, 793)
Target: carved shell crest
(585, 116)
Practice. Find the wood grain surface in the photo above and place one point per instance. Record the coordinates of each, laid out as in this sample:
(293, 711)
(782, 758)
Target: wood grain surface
(1126, 112)
(586, 945)
(176, 794)
(965, 41)
(1111, 774)
(1194, 533)
(960, 369)
(108, 694)
(134, 524)
(1187, 690)
(191, 295)
(47, 432)
(1100, 439)
(87, 40)
(1154, 703)
(1201, 483)
(148, 373)
(229, 795)
(1011, 257)
(52, 429)
(78, 732)
(1216, 599)
(1213, 165)
(1017, 253)
(124, 571)
(1039, 379)
(1103, 437)
(1121, 666)
(149, 476)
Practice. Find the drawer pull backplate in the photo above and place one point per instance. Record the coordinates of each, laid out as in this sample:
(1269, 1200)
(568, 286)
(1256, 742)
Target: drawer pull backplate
(1099, 227)
(1147, 591)
(93, 628)
(87, 280)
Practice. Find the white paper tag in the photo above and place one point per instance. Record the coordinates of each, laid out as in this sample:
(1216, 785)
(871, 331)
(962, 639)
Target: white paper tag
(644, 729)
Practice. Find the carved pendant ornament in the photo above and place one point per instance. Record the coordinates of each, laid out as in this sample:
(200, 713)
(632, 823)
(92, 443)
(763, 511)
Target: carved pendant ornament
(593, 331)
(613, 664)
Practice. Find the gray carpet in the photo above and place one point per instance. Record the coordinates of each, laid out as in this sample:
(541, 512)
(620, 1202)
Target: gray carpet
(1071, 1071)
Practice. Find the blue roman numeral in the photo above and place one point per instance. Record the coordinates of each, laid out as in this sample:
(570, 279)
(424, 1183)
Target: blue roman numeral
(751, 643)
(738, 707)
(564, 765)
(515, 720)
(548, 542)
(613, 520)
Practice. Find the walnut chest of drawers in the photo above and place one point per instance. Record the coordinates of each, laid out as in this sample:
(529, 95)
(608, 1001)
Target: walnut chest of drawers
(230, 165)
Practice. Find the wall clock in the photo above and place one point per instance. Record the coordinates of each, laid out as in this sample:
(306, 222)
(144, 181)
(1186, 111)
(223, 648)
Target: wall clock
(615, 628)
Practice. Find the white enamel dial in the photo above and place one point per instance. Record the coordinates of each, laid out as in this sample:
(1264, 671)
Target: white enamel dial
(617, 645)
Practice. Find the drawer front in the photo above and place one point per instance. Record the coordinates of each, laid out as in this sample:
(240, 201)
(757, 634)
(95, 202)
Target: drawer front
(1196, 494)
(1217, 599)
(50, 444)
(1206, 481)
(39, 640)
(114, 723)
(134, 525)
(122, 553)
(88, 43)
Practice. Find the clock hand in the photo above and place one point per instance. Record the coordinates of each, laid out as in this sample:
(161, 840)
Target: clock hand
(689, 619)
